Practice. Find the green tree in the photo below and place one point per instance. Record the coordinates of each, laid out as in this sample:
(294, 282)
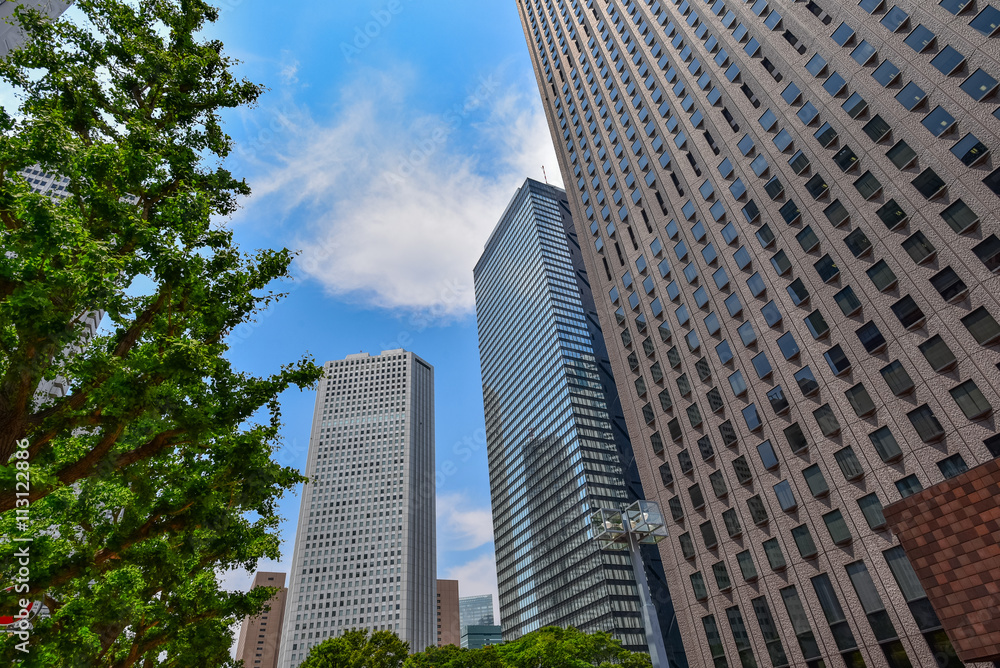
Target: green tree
(549, 647)
(356, 649)
(156, 470)
(451, 656)
(554, 647)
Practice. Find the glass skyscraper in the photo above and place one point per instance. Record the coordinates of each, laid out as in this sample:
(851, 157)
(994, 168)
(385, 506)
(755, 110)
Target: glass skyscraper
(365, 549)
(788, 216)
(556, 442)
(476, 610)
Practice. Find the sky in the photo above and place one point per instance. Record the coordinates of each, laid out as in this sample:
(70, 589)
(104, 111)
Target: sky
(392, 136)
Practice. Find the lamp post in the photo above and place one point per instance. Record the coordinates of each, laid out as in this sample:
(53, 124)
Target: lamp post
(639, 524)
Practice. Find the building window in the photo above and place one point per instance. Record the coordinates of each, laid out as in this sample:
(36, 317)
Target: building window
(732, 522)
(804, 541)
(827, 420)
(698, 585)
(848, 301)
(937, 353)
(718, 482)
(786, 499)
(796, 438)
(885, 444)
(952, 466)
(835, 617)
(871, 507)
(816, 481)
(715, 646)
(860, 400)
(908, 312)
(775, 558)
(882, 276)
(687, 545)
(971, 400)
(769, 632)
(848, 463)
(708, 535)
(925, 423)
(982, 326)
(721, 576)
(908, 486)
(742, 470)
(758, 511)
(697, 498)
(837, 527)
(919, 248)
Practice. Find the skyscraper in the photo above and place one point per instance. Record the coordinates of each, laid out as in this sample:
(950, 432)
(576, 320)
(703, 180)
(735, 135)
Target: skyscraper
(788, 216)
(365, 554)
(260, 636)
(476, 610)
(557, 445)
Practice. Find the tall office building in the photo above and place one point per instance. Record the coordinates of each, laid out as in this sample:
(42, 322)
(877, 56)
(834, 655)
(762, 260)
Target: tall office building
(449, 629)
(476, 610)
(365, 549)
(788, 212)
(556, 441)
(260, 636)
(10, 35)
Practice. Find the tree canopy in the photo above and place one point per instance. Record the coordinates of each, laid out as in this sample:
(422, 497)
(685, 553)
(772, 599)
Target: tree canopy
(356, 649)
(155, 471)
(549, 647)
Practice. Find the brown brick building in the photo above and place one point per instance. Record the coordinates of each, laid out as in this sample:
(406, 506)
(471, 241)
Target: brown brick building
(260, 637)
(449, 630)
(951, 533)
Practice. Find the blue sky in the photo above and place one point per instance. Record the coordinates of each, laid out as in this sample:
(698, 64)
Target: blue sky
(392, 137)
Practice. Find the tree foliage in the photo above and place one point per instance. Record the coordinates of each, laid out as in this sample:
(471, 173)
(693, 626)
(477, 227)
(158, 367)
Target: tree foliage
(554, 647)
(155, 470)
(550, 647)
(356, 649)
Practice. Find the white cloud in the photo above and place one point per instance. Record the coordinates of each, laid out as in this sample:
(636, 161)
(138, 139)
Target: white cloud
(289, 68)
(478, 577)
(460, 526)
(397, 211)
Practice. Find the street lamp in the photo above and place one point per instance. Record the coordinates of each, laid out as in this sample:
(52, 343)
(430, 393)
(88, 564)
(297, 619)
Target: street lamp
(639, 524)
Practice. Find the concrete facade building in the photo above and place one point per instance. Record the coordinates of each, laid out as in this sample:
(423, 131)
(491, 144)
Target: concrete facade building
(476, 610)
(260, 637)
(365, 555)
(788, 212)
(556, 441)
(449, 631)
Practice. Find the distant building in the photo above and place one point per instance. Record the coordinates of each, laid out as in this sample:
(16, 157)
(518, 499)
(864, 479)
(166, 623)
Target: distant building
(365, 555)
(448, 631)
(260, 637)
(477, 637)
(476, 610)
(10, 35)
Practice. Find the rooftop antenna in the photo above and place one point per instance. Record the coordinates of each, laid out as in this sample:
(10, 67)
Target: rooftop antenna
(544, 175)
